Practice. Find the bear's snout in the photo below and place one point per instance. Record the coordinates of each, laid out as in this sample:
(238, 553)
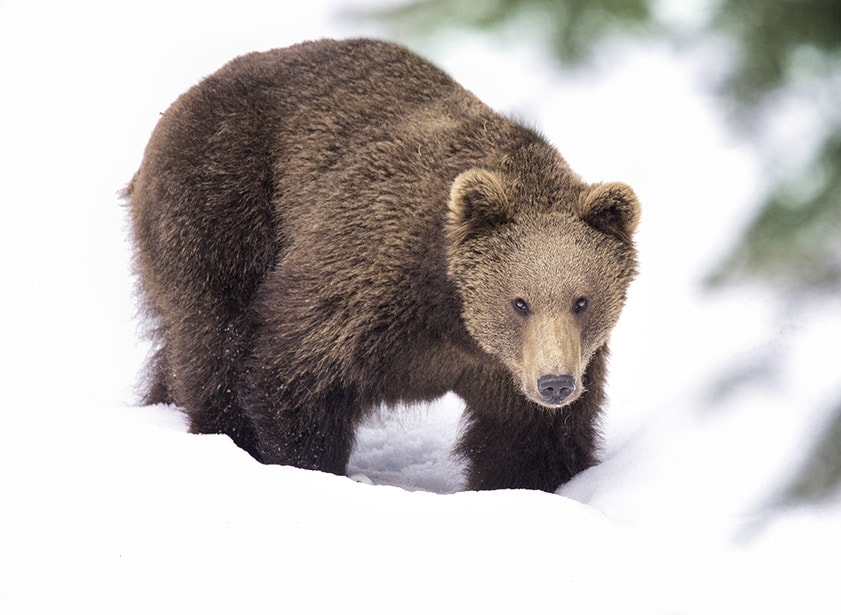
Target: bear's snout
(554, 388)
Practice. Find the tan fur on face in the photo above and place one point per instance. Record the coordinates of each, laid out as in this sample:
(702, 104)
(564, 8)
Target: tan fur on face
(574, 247)
(551, 345)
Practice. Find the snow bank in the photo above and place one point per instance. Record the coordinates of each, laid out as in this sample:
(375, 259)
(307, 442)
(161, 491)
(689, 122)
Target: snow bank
(120, 510)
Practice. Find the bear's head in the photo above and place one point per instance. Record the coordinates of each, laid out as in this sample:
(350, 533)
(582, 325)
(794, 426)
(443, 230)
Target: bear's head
(542, 278)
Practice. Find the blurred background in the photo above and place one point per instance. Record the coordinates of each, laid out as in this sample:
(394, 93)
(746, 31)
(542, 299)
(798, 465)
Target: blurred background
(771, 74)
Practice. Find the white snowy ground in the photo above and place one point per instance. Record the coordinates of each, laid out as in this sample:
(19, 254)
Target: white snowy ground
(112, 508)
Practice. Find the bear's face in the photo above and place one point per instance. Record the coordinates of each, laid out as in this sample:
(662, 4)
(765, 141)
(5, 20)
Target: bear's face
(541, 288)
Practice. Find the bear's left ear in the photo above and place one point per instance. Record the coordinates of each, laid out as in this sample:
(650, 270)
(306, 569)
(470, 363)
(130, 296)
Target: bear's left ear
(612, 208)
(477, 203)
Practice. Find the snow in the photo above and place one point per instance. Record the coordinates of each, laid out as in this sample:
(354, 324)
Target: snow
(115, 508)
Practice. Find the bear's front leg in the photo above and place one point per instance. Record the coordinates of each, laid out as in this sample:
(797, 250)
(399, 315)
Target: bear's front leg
(510, 442)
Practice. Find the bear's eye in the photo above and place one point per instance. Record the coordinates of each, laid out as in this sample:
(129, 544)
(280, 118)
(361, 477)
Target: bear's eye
(521, 307)
(580, 305)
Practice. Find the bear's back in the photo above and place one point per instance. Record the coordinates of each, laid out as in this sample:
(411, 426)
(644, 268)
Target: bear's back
(350, 90)
(287, 119)
(291, 145)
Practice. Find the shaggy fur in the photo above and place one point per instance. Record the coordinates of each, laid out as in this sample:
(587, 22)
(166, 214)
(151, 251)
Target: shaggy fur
(328, 227)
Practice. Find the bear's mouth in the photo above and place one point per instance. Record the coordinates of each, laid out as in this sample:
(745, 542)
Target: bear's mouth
(552, 404)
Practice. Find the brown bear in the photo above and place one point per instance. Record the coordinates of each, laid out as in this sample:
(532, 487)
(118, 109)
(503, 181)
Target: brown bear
(337, 225)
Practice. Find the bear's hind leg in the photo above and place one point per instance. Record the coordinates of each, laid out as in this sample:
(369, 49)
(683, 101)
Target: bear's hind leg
(203, 357)
(155, 382)
(309, 425)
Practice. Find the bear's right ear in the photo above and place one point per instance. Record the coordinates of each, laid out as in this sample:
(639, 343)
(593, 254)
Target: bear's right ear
(477, 203)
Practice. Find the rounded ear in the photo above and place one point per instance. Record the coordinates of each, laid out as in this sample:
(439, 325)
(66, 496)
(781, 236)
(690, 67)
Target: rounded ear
(612, 208)
(477, 203)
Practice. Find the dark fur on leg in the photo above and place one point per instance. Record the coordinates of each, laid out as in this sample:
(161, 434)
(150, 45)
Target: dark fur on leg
(512, 443)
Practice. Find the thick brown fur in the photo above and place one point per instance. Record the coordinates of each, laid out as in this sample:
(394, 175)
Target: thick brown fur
(328, 227)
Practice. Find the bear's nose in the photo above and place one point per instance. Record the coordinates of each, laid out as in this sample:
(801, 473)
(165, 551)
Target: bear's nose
(554, 388)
